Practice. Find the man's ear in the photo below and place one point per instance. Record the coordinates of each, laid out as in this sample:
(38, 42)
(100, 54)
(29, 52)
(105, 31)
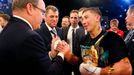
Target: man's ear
(98, 17)
(44, 17)
(132, 14)
(29, 8)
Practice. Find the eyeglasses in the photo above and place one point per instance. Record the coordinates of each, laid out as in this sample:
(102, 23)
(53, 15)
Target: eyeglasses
(42, 10)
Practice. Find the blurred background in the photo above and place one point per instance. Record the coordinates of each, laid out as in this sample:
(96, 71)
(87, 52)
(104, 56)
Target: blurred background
(110, 8)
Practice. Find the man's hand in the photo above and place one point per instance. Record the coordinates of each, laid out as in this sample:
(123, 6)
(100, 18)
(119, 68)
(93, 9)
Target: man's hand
(63, 47)
(89, 69)
(54, 51)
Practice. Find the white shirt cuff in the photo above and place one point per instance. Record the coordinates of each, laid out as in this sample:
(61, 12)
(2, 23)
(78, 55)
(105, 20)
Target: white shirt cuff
(49, 55)
(61, 54)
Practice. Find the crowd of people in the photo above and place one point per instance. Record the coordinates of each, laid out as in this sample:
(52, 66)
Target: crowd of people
(32, 43)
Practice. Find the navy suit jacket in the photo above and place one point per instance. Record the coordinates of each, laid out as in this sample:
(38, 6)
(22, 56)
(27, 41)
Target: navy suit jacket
(46, 35)
(22, 52)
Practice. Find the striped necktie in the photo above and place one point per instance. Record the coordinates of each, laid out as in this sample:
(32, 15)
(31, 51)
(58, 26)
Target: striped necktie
(53, 31)
(129, 36)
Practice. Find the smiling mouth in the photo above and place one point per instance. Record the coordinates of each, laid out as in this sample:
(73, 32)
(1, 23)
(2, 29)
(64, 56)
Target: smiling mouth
(85, 27)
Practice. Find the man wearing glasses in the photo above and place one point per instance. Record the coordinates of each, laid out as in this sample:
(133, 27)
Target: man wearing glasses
(22, 51)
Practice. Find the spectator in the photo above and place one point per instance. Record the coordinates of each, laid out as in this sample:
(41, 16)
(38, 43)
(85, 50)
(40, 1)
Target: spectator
(65, 22)
(4, 18)
(114, 27)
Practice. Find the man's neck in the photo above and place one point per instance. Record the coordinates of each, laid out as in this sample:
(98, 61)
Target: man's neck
(23, 16)
(74, 26)
(95, 32)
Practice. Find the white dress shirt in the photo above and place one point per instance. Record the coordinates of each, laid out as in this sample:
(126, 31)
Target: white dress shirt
(69, 35)
(50, 29)
(1, 29)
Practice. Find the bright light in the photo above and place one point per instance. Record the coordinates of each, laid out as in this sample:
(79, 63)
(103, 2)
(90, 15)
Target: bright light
(127, 1)
(125, 10)
(120, 16)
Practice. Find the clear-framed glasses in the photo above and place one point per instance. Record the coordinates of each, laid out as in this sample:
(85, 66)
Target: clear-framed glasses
(42, 10)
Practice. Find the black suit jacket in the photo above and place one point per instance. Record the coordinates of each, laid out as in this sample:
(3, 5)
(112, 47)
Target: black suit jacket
(130, 46)
(46, 35)
(22, 52)
(80, 32)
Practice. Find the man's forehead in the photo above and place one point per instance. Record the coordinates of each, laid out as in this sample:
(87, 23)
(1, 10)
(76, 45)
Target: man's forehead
(86, 13)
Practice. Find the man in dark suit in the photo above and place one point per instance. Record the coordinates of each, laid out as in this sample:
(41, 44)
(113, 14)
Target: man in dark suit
(22, 51)
(129, 28)
(129, 39)
(72, 36)
(49, 28)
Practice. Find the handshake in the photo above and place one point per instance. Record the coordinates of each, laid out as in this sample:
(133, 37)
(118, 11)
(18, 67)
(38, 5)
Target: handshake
(56, 43)
(59, 46)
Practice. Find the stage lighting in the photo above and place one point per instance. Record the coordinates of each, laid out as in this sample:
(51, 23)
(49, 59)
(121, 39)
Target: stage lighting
(127, 1)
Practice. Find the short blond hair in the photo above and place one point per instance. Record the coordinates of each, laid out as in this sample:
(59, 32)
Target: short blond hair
(82, 9)
(131, 8)
(114, 21)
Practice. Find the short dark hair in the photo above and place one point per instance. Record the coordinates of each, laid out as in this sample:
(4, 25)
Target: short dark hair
(66, 17)
(131, 7)
(74, 11)
(51, 7)
(5, 16)
(93, 10)
(1, 12)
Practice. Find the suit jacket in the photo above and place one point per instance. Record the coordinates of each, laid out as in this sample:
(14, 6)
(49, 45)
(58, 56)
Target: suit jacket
(130, 46)
(80, 32)
(46, 35)
(125, 33)
(22, 52)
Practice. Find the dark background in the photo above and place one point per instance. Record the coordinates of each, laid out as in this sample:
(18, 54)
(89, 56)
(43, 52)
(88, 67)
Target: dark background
(110, 8)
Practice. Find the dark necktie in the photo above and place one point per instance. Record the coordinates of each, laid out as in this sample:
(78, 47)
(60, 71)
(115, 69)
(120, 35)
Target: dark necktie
(73, 38)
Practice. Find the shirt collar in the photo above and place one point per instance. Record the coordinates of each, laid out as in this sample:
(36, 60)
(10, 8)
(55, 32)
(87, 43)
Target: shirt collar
(49, 28)
(23, 20)
(75, 27)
